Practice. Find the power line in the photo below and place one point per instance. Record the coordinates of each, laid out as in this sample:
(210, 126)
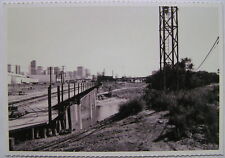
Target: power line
(215, 43)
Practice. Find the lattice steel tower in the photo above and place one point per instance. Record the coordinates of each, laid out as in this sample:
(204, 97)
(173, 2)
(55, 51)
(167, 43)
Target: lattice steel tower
(168, 36)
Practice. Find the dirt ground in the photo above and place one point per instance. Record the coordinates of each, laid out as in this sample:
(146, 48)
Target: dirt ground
(140, 132)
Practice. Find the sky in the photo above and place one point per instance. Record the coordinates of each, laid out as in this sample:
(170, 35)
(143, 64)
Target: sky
(122, 39)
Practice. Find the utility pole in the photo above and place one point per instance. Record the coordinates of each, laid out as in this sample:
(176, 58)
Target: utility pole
(49, 98)
(63, 77)
(168, 37)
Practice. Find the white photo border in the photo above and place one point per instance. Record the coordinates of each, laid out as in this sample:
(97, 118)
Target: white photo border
(4, 151)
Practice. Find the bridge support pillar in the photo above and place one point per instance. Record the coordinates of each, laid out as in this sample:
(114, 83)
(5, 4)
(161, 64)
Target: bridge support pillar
(58, 127)
(44, 132)
(63, 120)
(54, 131)
(69, 118)
(79, 116)
(73, 116)
(90, 107)
(36, 133)
(11, 144)
(66, 119)
(49, 132)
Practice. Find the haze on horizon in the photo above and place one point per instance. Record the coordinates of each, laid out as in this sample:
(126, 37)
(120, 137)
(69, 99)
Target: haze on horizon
(122, 39)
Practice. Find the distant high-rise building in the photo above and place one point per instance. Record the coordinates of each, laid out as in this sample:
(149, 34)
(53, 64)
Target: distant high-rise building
(56, 70)
(80, 72)
(74, 74)
(9, 68)
(33, 67)
(69, 75)
(39, 70)
(17, 69)
(87, 73)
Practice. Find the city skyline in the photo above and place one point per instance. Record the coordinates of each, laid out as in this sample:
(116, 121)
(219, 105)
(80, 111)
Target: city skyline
(45, 70)
(35, 69)
(126, 43)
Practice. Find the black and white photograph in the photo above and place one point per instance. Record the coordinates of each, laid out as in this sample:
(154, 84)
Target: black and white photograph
(113, 78)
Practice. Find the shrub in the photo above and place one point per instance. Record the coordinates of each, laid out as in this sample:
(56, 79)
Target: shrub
(159, 100)
(189, 109)
(130, 108)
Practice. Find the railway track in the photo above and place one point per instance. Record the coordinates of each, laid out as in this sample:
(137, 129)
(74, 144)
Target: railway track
(34, 104)
(74, 137)
(43, 96)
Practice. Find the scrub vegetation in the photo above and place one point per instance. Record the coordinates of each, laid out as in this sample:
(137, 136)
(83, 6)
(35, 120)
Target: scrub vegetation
(193, 108)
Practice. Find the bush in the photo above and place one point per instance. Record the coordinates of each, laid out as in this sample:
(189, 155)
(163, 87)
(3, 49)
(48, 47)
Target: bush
(159, 100)
(189, 109)
(130, 108)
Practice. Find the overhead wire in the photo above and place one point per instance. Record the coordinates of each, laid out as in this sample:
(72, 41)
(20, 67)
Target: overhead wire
(214, 45)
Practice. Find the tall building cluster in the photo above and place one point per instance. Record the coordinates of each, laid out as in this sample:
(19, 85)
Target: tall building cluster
(14, 69)
(42, 75)
(39, 70)
(79, 73)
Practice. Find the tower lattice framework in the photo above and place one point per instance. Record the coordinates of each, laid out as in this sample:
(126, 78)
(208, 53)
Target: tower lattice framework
(168, 36)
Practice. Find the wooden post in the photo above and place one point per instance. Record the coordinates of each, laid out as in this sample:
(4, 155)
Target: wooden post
(62, 86)
(78, 87)
(62, 92)
(69, 117)
(59, 108)
(58, 94)
(74, 86)
(50, 76)
(68, 90)
(49, 105)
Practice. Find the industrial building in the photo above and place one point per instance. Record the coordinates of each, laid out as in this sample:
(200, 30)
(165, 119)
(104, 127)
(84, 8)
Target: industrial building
(14, 78)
